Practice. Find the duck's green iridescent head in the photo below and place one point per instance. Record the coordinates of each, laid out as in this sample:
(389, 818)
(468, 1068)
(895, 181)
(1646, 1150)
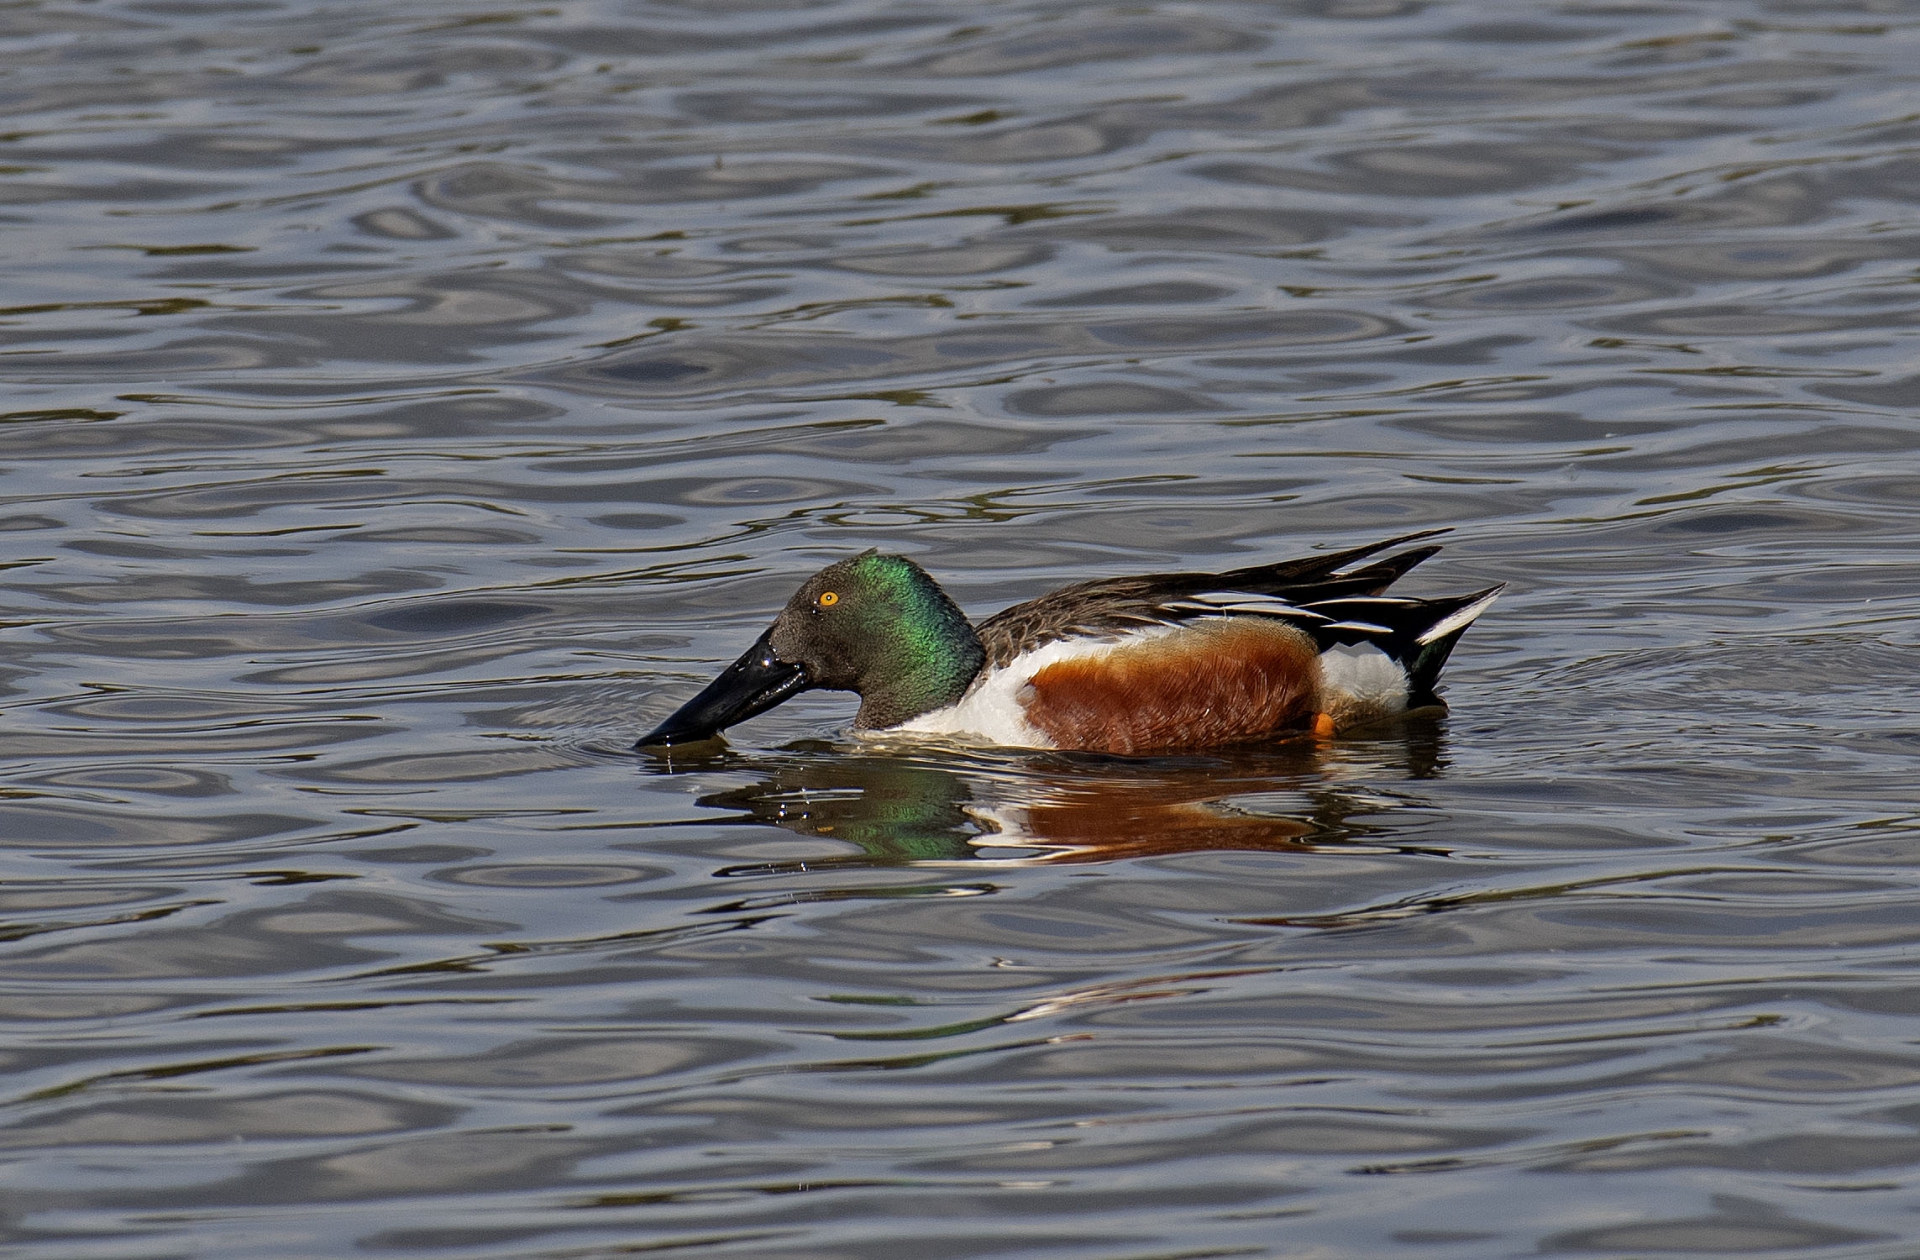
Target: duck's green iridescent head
(873, 624)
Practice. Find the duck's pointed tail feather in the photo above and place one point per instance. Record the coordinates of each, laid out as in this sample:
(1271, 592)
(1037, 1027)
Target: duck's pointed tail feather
(1265, 577)
(1435, 644)
(1378, 576)
(1418, 633)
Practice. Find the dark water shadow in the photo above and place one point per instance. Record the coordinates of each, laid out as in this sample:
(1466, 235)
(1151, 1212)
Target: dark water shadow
(914, 803)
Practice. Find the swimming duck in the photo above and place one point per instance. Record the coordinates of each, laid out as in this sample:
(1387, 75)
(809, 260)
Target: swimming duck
(1153, 663)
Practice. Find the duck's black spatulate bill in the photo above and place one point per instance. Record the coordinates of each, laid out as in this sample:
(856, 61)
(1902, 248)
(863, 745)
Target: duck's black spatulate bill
(753, 684)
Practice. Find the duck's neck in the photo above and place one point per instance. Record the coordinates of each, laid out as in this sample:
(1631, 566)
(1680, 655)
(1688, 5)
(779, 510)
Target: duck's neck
(926, 664)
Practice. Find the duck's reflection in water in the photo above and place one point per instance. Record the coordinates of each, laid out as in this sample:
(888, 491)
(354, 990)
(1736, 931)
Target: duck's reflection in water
(915, 803)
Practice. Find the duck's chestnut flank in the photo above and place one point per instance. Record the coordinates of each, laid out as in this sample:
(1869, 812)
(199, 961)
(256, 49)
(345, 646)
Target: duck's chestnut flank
(1157, 662)
(1225, 680)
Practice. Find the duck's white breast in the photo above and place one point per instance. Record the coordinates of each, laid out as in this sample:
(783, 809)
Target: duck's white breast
(992, 710)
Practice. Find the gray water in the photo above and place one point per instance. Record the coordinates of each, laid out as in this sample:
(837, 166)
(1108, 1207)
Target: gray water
(409, 404)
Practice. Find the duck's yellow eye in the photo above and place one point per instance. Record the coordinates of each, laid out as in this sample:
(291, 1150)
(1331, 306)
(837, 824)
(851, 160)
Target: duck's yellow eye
(828, 599)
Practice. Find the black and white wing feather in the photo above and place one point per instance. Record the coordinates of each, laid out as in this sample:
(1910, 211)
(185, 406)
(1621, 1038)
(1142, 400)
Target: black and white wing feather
(1302, 592)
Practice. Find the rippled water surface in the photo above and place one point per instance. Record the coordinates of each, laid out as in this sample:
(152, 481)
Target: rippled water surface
(406, 405)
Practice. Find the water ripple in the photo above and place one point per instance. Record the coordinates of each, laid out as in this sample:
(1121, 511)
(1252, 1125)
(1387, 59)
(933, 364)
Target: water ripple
(409, 406)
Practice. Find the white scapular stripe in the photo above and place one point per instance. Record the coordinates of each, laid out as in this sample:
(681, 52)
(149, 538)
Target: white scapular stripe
(1229, 602)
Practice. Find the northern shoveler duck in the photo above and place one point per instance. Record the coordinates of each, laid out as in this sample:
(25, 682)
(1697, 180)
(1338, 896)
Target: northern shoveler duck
(1158, 662)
